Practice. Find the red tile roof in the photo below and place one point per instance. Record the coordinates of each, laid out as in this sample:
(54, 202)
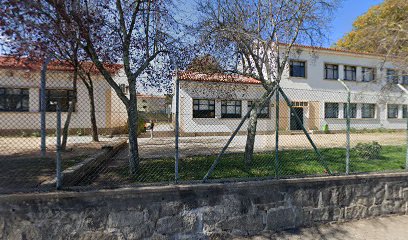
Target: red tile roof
(10, 62)
(216, 77)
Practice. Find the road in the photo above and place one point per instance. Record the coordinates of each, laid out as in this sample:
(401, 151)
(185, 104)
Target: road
(384, 228)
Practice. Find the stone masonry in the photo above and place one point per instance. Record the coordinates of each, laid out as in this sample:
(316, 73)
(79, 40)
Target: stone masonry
(203, 211)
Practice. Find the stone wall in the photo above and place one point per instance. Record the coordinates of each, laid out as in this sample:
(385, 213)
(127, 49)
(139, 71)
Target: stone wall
(214, 211)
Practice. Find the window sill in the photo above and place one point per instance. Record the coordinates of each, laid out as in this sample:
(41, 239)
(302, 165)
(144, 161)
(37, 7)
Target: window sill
(298, 78)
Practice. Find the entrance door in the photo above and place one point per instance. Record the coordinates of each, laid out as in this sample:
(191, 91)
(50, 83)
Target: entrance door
(294, 125)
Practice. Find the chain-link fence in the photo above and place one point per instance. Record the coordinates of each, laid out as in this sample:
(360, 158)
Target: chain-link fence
(302, 132)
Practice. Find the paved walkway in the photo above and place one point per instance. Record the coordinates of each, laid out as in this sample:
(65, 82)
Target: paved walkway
(385, 228)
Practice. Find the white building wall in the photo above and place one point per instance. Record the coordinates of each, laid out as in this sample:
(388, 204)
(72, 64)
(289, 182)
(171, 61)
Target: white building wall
(55, 80)
(312, 88)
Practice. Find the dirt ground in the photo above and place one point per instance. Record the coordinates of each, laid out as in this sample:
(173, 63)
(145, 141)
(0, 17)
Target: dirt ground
(392, 227)
(22, 167)
(192, 146)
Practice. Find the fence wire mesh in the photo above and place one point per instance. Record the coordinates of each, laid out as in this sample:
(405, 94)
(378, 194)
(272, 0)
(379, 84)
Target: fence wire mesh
(209, 113)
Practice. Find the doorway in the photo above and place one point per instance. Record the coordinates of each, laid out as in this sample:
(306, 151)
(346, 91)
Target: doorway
(294, 125)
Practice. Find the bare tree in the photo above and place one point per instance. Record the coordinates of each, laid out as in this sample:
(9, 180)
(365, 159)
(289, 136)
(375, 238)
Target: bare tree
(135, 33)
(262, 35)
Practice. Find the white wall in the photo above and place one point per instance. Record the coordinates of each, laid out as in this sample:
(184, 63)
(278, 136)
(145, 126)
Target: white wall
(55, 80)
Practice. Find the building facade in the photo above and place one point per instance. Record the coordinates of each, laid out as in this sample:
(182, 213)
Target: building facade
(216, 103)
(20, 97)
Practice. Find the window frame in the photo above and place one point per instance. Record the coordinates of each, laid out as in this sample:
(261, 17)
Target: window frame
(353, 73)
(326, 69)
(52, 107)
(326, 112)
(24, 95)
(374, 112)
(389, 115)
(259, 113)
(404, 78)
(210, 106)
(225, 104)
(404, 111)
(395, 77)
(351, 108)
(363, 74)
(291, 68)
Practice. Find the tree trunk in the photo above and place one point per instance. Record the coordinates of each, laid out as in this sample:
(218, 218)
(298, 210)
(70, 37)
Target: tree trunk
(90, 89)
(251, 133)
(132, 127)
(65, 131)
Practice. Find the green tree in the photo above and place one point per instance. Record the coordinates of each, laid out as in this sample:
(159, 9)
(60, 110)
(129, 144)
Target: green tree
(382, 29)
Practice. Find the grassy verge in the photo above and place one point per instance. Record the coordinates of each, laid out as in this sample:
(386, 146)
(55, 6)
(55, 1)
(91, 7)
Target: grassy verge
(291, 163)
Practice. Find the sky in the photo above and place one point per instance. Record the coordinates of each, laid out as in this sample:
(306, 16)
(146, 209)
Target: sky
(345, 16)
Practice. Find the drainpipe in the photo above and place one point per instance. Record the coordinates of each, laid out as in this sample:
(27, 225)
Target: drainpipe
(347, 126)
(406, 156)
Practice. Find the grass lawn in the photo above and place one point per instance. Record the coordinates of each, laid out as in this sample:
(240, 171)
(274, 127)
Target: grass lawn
(291, 163)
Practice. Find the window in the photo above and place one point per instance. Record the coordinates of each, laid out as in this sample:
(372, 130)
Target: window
(14, 100)
(203, 108)
(297, 69)
(262, 113)
(404, 111)
(392, 76)
(392, 110)
(368, 74)
(61, 96)
(331, 71)
(331, 110)
(368, 110)
(350, 73)
(405, 78)
(353, 110)
(231, 109)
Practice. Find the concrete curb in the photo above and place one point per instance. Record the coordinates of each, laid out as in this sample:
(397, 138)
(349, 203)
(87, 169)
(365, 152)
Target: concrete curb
(74, 175)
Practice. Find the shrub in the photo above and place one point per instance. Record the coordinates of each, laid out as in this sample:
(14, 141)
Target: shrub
(368, 151)
(80, 132)
(24, 134)
(36, 134)
(326, 128)
(140, 125)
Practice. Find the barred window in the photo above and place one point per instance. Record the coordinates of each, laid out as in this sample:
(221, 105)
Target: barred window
(392, 76)
(231, 109)
(331, 71)
(368, 74)
(353, 110)
(203, 108)
(331, 110)
(404, 111)
(368, 110)
(350, 73)
(297, 69)
(392, 110)
(261, 112)
(63, 97)
(14, 100)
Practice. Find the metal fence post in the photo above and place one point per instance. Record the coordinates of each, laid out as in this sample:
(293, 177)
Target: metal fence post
(43, 106)
(406, 156)
(347, 126)
(277, 135)
(58, 146)
(176, 165)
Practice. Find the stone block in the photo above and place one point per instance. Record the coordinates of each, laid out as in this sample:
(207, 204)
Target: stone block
(356, 212)
(281, 218)
(253, 222)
